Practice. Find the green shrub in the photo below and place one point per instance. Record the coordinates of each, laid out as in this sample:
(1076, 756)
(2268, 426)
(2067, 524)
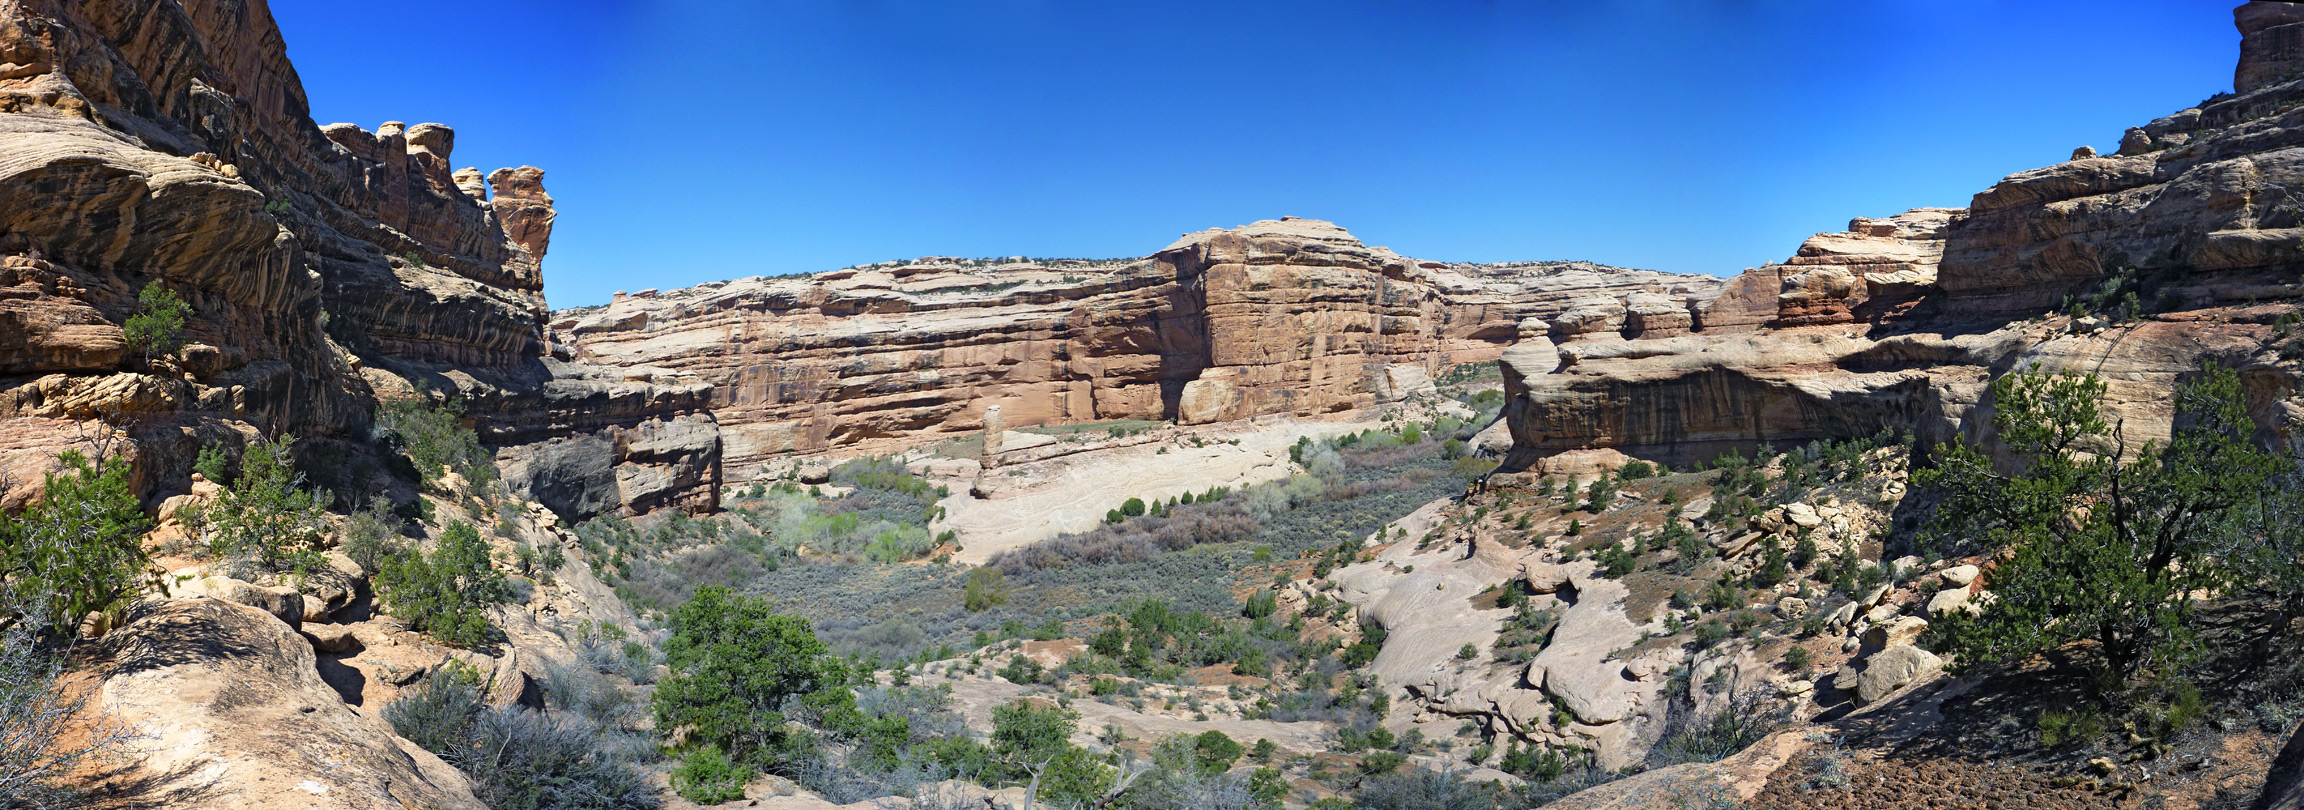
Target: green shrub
(46, 738)
(1261, 604)
(1799, 660)
(1133, 507)
(1264, 750)
(2105, 546)
(433, 436)
(1032, 742)
(267, 520)
(734, 664)
(213, 464)
(518, 759)
(706, 776)
(79, 550)
(1634, 471)
(445, 594)
(1214, 751)
(1420, 789)
(371, 535)
(2060, 728)
(1380, 762)
(1744, 719)
(898, 544)
(1539, 764)
(1616, 561)
(1774, 566)
(987, 588)
(157, 328)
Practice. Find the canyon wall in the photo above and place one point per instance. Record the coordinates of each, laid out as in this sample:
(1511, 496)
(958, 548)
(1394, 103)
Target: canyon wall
(2183, 247)
(170, 141)
(1288, 316)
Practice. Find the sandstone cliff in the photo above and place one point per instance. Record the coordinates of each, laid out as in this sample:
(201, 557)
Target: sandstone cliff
(170, 141)
(2183, 247)
(1281, 316)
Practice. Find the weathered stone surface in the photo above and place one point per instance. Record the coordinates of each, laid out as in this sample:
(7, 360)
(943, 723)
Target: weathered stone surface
(1286, 316)
(1961, 575)
(1898, 632)
(2271, 44)
(242, 720)
(1952, 600)
(280, 602)
(2284, 786)
(1895, 668)
(1791, 607)
(1900, 323)
(151, 141)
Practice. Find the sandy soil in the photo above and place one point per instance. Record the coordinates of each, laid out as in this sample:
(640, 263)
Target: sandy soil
(1039, 500)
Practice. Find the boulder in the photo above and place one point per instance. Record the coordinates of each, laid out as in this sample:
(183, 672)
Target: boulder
(1842, 616)
(1847, 677)
(1953, 599)
(1872, 597)
(1403, 380)
(1960, 575)
(284, 604)
(1544, 577)
(2284, 786)
(1791, 607)
(1802, 515)
(1895, 668)
(1895, 633)
(332, 638)
(1208, 400)
(242, 720)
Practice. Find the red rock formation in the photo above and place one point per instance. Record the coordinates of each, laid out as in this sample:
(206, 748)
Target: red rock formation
(1281, 316)
(169, 141)
(2194, 235)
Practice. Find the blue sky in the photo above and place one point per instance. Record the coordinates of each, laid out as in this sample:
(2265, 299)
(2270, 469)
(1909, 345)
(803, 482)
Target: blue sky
(691, 141)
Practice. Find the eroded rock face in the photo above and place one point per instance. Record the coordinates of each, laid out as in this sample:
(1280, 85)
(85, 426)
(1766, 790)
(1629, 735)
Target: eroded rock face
(244, 721)
(2179, 250)
(147, 141)
(1281, 316)
(2271, 44)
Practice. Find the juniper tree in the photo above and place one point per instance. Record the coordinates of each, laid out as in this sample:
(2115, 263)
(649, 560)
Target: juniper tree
(2107, 541)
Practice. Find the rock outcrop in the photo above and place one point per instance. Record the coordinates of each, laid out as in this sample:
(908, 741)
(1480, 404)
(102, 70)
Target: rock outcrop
(242, 719)
(1282, 316)
(2284, 786)
(2139, 266)
(156, 141)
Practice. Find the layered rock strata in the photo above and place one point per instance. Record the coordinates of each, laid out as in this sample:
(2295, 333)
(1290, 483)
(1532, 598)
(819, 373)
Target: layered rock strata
(2140, 266)
(1285, 316)
(169, 142)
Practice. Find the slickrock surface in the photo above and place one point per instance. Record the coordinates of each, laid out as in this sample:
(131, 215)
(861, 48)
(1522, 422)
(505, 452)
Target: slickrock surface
(1900, 322)
(1289, 316)
(240, 718)
(156, 140)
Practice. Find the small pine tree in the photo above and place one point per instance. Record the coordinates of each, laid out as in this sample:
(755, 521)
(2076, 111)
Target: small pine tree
(987, 588)
(267, 520)
(157, 328)
(77, 551)
(446, 593)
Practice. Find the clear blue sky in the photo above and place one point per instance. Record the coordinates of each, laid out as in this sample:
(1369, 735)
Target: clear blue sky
(692, 141)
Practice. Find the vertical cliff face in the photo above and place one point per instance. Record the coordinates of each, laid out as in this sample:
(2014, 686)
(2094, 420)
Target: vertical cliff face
(2181, 248)
(1281, 316)
(169, 141)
